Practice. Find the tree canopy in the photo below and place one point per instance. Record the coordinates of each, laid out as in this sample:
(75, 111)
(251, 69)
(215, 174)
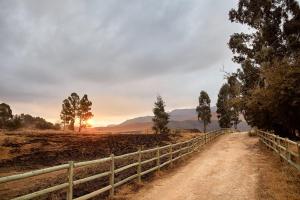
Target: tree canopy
(203, 109)
(12, 122)
(269, 75)
(75, 107)
(161, 117)
(223, 107)
(5, 114)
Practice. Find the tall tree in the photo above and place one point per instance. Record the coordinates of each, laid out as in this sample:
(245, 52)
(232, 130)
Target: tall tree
(275, 30)
(161, 117)
(66, 113)
(234, 99)
(203, 110)
(5, 114)
(269, 56)
(84, 111)
(223, 108)
(74, 104)
(73, 107)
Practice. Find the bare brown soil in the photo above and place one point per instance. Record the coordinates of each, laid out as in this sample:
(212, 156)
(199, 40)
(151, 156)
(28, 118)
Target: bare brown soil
(235, 167)
(32, 150)
(28, 150)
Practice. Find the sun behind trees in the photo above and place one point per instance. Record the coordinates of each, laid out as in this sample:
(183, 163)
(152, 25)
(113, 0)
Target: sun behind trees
(73, 107)
(203, 110)
(161, 117)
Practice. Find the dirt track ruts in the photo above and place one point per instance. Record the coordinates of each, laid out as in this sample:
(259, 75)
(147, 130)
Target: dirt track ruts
(224, 170)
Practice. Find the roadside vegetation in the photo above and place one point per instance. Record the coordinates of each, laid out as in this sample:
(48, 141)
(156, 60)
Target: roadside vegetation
(12, 122)
(203, 109)
(266, 87)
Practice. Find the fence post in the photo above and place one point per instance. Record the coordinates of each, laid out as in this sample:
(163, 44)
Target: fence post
(180, 152)
(70, 179)
(196, 144)
(278, 143)
(298, 145)
(288, 155)
(112, 175)
(205, 138)
(288, 146)
(158, 158)
(139, 168)
(171, 155)
(275, 143)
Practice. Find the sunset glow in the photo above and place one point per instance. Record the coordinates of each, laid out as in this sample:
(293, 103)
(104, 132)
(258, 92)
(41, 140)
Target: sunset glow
(91, 123)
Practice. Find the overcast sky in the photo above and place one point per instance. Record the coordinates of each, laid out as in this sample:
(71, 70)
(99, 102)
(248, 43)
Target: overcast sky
(121, 53)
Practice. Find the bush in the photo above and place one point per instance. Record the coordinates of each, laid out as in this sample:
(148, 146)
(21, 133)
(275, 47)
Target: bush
(43, 125)
(13, 123)
(56, 126)
(252, 133)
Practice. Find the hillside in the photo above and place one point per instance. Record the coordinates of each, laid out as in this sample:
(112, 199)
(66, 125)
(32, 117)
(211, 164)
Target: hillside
(175, 115)
(179, 119)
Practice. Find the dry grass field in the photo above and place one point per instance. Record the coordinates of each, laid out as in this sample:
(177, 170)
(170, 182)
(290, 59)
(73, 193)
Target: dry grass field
(23, 151)
(27, 150)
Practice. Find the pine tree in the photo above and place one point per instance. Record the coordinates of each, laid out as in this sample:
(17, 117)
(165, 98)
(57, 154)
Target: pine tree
(5, 114)
(161, 117)
(234, 101)
(203, 110)
(66, 113)
(74, 103)
(223, 108)
(84, 111)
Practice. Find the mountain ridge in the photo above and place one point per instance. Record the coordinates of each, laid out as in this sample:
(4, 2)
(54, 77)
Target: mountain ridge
(185, 118)
(181, 114)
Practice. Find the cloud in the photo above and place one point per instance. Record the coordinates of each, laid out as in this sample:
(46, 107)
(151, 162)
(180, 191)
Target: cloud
(51, 48)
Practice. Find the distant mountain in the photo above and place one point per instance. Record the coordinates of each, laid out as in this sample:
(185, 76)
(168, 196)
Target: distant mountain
(179, 119)
(144, 119)
(195, 124)
(175, 115)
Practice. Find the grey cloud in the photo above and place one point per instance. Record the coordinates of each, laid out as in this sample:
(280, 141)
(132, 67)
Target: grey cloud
(60, 46)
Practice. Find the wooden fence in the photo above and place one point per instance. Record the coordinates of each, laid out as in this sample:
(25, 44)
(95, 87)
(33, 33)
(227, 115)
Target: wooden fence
(287, 149)
(174, 152)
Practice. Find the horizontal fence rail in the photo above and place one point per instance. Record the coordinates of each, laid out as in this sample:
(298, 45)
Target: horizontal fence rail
(287, 149)
(174, 152)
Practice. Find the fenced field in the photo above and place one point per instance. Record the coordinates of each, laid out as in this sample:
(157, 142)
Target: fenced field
(141, 163)
(285, 148)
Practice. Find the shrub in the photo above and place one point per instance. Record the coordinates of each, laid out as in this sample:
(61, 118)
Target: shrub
(252, 133)
(13, 123)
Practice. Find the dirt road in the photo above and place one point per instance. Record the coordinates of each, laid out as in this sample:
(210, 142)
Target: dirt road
(225, 170)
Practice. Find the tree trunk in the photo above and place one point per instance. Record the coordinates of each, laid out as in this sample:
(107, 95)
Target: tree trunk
(204, 126)
(79, 125)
